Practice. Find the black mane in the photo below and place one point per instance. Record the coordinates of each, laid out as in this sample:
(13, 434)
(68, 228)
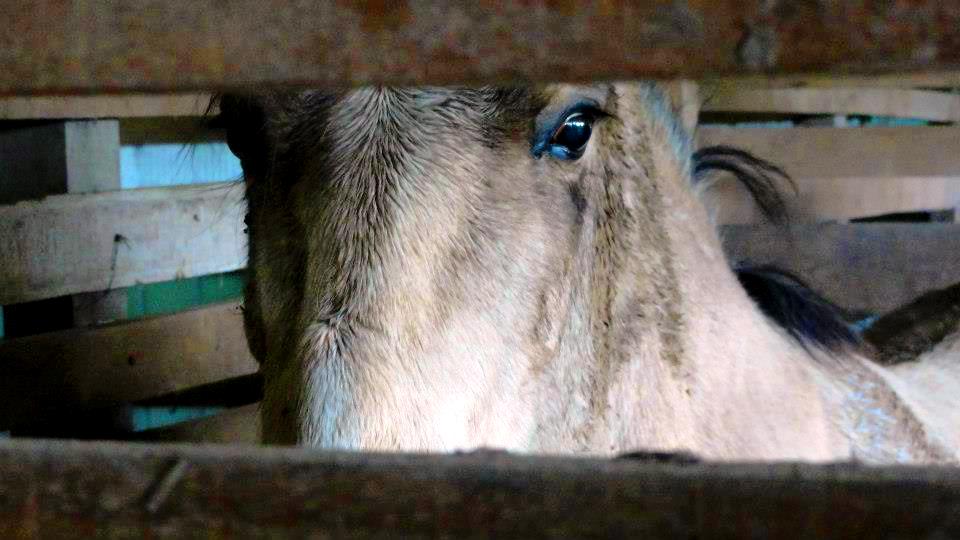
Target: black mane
(783, 297)
(795, 307)
(761, 178)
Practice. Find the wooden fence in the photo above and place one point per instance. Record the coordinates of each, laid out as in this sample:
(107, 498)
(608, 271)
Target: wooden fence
(142, 45)
(114, 239)
(176, 491)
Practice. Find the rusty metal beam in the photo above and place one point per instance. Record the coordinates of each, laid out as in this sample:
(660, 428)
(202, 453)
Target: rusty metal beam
(89, 46)
(55, 489)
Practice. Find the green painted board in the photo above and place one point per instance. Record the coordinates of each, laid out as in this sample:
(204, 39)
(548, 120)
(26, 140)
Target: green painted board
(173, 296)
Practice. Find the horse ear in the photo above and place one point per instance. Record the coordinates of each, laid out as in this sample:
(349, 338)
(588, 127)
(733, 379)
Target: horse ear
(243, 119)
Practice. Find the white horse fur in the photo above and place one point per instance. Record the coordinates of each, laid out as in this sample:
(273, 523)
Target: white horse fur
(421, 281)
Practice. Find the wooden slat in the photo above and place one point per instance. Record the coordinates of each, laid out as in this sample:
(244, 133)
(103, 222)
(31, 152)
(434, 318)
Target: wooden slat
(872, 267)
(813, 152)
(54, 158)
(56, 489)
(686, 101)
(943, 79)
(78, 243)
(895, 102)
(68, 372)
(825, 199)
(240, 425)
(847, 173)
(887, 100)
(135, 106)
(142, 45)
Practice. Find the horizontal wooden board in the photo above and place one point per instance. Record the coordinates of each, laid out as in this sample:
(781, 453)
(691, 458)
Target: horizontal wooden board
(66, 373)
(827, 199)
(142, 45)
(869, 152)
(871, 267)
(240, 425)
(68, 244)
(849, 172)
(877, 97)
(942, 79)
(55, 489)
(133, 106)
(895, 102)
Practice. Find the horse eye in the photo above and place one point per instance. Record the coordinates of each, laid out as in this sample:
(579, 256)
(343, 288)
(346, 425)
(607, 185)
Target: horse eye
(572, 135)
(569, 140)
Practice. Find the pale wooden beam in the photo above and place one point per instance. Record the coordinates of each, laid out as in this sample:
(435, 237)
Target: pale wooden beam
(68, 244)
(895, 102)
(686, 102)
(58, 157)
(846, 173)
(80, 107)
(53, 158)
(949, 78)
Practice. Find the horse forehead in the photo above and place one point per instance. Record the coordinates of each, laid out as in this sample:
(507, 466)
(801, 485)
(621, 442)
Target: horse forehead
(374, 104)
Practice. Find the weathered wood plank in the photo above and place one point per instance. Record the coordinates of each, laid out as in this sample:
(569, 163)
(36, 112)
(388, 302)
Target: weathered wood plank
(825, 199)
(871, 267)
(37, 160)
(78, 243)
(70, 372)
(54, 489)
(240, 425)
(133, 106)
(685, 96)
(881, 152)
(917, 79)
(847, 173)
(53, 158)
(896, 102)
(142, 45)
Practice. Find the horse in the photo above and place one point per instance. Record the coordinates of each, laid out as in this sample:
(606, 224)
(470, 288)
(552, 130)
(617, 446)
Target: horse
(534, 269)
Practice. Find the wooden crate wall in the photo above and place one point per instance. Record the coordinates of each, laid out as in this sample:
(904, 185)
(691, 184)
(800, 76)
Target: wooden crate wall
(80, 249)
(116, 238)
(855, 154)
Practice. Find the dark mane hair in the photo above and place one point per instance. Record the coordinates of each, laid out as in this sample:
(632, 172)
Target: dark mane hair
(783, 297)
(808, 317)
(759, 177)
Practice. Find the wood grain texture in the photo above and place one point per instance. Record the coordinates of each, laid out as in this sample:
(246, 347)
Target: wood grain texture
(133, 106)
(872, 267)
(943, 79)
(41, 159)
(66, 373)
(685, 96)
(54, 158)
(143, 45)
(240, 425)
(54, 489)
(849, 172)
(895, 102)
(79, 243)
